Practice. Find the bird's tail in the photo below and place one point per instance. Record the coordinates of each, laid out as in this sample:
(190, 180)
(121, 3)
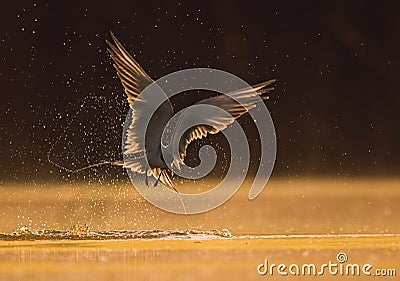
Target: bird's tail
(98, 164)
(117, 163)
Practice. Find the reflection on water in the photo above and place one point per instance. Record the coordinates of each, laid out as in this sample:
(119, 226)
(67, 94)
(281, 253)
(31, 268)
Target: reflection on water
(291, 222)
(189, 259)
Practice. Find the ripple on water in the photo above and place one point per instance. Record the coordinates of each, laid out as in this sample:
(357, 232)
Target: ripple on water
(83, 232)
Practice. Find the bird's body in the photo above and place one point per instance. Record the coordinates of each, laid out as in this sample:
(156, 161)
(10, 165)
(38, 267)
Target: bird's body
(135, 80)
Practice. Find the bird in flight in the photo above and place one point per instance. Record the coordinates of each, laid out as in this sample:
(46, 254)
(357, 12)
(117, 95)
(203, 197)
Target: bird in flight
(134, 80)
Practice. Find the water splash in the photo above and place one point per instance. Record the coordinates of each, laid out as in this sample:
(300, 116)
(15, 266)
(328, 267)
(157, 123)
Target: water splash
(83, 232)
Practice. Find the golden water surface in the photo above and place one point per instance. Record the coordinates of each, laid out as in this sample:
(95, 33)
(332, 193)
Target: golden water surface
(108, 232)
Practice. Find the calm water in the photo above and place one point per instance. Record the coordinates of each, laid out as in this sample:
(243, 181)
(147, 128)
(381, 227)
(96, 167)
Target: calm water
(101, 232)
(192, 257)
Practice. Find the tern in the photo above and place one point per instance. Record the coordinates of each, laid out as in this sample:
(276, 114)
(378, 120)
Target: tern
(134, 80)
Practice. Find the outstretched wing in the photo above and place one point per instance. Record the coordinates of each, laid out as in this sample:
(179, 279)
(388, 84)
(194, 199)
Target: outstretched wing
(246, 99)
(135, 80)
(133, 77)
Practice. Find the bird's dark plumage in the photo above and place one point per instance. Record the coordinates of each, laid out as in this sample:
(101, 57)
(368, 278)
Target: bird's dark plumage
(134, 80)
